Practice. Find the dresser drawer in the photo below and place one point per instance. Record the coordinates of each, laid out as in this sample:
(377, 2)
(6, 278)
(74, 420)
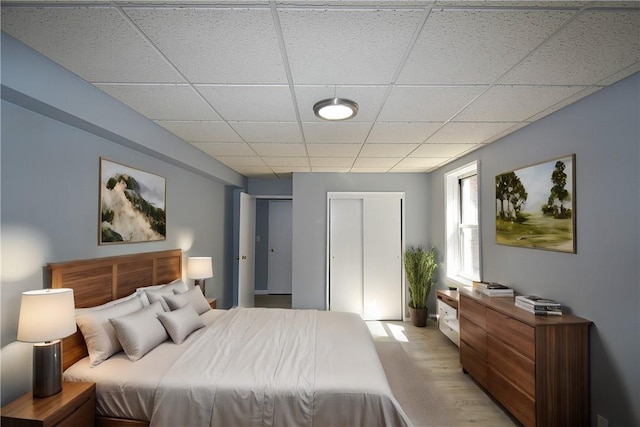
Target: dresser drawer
(512, 365)
(473, 363)
(473, 311)
(445, 311)
(522, 406)
(474, 336)
(513, 332)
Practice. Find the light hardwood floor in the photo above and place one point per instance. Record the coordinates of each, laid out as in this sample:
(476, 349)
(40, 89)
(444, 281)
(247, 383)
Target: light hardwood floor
(436, 357)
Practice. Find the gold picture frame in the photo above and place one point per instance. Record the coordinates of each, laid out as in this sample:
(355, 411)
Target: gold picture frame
(132, 205)
(535, 206)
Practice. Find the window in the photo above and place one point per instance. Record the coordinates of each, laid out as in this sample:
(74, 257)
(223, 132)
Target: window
(462, 224)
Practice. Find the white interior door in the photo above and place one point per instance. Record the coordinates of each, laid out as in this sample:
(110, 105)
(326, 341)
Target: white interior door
(382, 261)
(345, 255)
(246, 251)
(280, 247)
(365, 254)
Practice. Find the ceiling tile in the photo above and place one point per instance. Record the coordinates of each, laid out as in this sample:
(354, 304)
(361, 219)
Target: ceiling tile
(282, 161)
(369, 169)
(255, 171)
(441, 150)
(589, 49)
(216, 149)
(476, 46)
(268, 132)
(468, 132)
(332, 169)
(374, 162)
(217, 44)
(92, 42)
(419, 163)
(387, 150)
(427, 104)
(279, 150)
(201, 131)
(368, 98)
(515, 103)
(333, 150)
(290, 169)
(336, 132)
(251, 103)
(401, 132)
(162, 102)
(347, 46)
(570, 100)
(340, 162)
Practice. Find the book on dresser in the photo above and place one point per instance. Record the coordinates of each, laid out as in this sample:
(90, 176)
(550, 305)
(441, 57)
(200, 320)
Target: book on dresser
(538, 305)
(494, 289)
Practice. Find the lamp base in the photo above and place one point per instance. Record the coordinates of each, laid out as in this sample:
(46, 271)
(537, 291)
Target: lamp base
(200, 283)
(47, 368)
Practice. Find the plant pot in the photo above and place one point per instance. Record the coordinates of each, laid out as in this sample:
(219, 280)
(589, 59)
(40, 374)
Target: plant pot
(418, 316)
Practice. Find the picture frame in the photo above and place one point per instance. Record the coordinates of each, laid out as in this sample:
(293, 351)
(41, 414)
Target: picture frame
(535, 206)
(132, 206)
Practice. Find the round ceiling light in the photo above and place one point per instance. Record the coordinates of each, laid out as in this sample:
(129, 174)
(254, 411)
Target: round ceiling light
(335, 109)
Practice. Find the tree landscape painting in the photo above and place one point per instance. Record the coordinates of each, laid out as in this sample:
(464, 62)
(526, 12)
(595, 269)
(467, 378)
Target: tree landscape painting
(535, 206)
(132, 205)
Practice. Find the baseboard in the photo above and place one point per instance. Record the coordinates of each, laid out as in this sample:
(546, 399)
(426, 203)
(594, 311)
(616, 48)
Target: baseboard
(261, 292)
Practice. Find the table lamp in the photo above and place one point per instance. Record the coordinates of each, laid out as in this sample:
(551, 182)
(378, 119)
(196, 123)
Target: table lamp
(47, 316)
(199, 268)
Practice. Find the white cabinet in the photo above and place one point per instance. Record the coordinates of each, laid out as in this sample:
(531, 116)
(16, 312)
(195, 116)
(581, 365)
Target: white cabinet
(365, 254)
(448, 316)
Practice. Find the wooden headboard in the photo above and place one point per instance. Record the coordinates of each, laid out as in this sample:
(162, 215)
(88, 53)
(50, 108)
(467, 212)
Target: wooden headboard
(100, 280)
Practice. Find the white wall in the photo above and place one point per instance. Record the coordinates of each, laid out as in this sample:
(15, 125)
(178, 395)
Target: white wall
(601, 281)
(310, 223)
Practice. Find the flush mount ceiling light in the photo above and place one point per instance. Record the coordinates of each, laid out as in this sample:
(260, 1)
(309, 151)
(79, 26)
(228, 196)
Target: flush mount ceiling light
(335, 109)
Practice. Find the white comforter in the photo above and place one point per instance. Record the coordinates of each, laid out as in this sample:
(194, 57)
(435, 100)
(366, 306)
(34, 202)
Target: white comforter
(269, 367)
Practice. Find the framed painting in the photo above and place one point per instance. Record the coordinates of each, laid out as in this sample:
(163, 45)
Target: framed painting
(132, 205)
(535, 206)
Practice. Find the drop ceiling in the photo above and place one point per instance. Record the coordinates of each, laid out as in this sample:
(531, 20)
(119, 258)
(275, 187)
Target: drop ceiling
(434, 80)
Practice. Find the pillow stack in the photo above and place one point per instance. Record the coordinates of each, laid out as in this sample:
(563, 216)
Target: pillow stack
(140, 322)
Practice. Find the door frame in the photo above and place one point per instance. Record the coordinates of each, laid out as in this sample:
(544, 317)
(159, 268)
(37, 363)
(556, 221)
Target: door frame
(363, 194)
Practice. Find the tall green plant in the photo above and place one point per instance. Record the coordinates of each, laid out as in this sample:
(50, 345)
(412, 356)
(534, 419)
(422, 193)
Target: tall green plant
(420, 267)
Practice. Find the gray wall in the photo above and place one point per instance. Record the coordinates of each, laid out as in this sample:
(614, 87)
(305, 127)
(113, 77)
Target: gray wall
(601, 281)
(49, 190)
(310, 223)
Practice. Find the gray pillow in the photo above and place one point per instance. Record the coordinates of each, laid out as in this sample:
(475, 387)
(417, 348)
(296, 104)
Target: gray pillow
(156, 295)
(181, 323)
(140, 332)
(193, 297)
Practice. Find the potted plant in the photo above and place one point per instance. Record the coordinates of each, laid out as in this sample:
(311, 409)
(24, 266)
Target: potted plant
(420, 267)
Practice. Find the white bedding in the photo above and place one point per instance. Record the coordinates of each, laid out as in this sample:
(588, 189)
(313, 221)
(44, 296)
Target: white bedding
(263, 367)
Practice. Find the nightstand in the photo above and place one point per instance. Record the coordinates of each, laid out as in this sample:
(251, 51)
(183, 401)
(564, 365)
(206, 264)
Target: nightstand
(74, 406)
(212, 302)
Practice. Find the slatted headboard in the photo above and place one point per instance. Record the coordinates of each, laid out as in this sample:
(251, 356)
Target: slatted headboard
(100, 280)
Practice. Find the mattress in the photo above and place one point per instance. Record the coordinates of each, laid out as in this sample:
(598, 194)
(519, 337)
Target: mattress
(252, 367)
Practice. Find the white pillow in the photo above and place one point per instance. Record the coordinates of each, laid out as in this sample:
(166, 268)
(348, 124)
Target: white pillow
(99, 334)
(193, 297)
(178, 286)
(140, 332)
(181, 323)
(107, 304)
(156, 295)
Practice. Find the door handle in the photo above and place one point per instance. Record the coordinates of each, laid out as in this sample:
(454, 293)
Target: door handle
(244, 257)
(273, 250)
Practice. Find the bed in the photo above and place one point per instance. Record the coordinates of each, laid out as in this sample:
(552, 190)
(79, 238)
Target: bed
(244, 367)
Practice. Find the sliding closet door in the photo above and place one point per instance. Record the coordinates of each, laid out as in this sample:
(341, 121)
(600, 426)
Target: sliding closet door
(365, 255)
(345, 258)
(382, 261)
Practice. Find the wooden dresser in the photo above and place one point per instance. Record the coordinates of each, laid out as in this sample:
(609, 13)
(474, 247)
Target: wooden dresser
(537, 367)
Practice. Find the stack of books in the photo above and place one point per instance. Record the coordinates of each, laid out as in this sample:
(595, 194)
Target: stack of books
(494, 289)
(539, 306)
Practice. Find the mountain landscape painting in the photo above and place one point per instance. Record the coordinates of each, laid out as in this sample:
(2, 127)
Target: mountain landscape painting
(132, 205)
(535, 206)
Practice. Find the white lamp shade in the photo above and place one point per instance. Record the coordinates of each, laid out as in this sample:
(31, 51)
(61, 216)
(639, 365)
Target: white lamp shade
(199, 267)
(46, 315)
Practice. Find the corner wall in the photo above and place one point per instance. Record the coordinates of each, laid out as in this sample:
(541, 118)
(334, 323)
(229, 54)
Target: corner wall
(601, 281)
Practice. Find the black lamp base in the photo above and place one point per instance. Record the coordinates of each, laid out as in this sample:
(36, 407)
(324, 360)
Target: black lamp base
(47, 368)
(200, 283)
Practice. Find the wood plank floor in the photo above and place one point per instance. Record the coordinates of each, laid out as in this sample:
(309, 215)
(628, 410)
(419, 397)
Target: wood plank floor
(436, 357)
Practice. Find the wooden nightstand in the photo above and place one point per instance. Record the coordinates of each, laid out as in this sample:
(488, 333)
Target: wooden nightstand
(212, 302)
(74, 406)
